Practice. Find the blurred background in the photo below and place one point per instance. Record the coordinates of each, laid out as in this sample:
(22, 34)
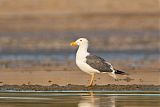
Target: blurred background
(36, 33)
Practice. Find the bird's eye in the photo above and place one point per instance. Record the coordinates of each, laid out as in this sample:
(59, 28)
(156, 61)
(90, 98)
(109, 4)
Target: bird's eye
(81, 40)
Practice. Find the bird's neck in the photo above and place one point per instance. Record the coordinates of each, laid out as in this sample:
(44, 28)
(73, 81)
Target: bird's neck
(82, 52)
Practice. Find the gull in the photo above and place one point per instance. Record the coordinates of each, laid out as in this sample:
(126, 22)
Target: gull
(92, 64)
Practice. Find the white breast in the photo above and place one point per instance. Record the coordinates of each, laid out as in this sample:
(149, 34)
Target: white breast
(81, 60)
(85, 67)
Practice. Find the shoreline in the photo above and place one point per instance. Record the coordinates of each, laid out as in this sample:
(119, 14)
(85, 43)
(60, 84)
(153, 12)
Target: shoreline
(70, 87)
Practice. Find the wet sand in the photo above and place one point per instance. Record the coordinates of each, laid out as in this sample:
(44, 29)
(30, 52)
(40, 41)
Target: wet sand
(77, 77)
(154, 89)
(41, 79)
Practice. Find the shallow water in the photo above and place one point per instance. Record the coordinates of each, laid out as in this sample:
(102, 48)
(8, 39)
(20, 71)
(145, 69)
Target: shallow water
(78, 100)
(135, 55)
(29, 59)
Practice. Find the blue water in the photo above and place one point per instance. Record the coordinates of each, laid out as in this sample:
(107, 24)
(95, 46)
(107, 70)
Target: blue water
(71, 55)
(30, 59)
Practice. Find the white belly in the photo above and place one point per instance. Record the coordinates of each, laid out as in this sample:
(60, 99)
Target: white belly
(86, 68)
(81, 61)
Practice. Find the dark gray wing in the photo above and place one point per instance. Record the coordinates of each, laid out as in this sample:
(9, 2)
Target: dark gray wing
(98, 63)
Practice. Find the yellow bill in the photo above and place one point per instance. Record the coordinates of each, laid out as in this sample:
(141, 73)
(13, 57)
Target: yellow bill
(73, 44)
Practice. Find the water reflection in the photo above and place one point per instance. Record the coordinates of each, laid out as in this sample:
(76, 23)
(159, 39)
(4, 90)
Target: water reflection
(111, 101)
(81, 100)
(119, 101)
(97, 101)
(89, 101)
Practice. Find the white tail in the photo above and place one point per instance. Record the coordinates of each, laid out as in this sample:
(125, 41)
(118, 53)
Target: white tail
(112, 74)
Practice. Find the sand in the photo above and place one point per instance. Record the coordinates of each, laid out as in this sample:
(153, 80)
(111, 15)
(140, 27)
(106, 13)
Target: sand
(70, 87)
(67, 76)
(77, 77)
(41, 80)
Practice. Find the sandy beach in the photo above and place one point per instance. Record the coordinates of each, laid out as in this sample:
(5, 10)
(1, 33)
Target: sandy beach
(140, 77)
(145, 77)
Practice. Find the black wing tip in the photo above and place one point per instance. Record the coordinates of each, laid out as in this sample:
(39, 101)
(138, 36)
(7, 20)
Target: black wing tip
(120, 72)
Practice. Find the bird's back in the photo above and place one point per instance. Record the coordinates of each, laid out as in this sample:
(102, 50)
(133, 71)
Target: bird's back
(98, 63)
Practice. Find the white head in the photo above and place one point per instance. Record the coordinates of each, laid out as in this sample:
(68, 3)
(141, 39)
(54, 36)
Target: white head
(83, 46)
(80, 42)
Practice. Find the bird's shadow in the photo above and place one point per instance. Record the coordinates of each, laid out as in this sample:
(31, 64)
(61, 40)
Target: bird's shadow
(127, 79)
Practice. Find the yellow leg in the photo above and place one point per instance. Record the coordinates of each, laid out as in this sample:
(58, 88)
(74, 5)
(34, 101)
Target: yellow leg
(91, 81)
